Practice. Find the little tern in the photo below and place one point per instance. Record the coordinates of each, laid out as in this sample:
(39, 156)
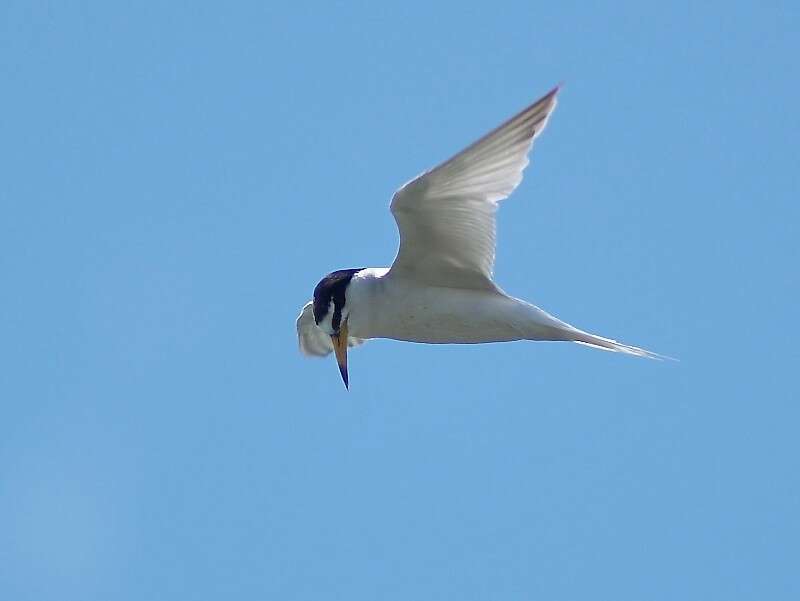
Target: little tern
(440, 290)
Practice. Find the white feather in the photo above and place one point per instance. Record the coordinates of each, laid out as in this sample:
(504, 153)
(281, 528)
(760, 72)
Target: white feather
(446, 216)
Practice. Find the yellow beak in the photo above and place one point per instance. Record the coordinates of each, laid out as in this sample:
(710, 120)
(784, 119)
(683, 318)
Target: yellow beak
(340, 349)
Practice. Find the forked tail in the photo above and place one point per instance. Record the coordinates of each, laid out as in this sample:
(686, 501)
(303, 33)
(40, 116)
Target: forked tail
(606, 344)
(540, 325)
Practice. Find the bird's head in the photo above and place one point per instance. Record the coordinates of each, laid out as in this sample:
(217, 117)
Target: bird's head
(331, 313)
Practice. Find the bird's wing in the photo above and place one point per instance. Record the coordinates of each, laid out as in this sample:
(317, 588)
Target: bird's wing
(446, 216)
(314, 342)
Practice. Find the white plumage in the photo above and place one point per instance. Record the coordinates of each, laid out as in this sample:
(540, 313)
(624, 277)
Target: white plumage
(440, 288)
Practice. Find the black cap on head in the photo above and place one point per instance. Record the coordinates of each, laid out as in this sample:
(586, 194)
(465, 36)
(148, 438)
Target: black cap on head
(332, 288)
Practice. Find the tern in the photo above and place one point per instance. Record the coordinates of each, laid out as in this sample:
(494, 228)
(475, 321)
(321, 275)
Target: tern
(440, 290)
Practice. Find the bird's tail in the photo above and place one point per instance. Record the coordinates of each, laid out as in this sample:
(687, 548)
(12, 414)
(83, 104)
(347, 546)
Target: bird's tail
(607, 344)
(540, 325)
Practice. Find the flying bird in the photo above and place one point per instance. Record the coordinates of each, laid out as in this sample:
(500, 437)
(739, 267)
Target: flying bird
(440, 290)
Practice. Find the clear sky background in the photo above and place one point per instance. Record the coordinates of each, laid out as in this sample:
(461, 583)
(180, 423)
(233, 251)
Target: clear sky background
(176, 177)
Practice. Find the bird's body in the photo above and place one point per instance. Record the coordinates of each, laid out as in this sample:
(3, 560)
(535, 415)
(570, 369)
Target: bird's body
(385, 306)
(440, 290)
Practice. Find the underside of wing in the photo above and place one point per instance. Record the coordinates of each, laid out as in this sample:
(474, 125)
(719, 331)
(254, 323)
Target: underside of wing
(446, 216)
(313, 341)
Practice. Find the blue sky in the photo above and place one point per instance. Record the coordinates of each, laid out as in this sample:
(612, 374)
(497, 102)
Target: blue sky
(178, 176)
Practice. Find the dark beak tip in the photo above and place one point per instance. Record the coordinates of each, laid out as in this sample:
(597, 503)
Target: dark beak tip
(345, 378)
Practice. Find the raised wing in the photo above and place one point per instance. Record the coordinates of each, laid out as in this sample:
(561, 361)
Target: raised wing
(313, 341)
(446, 216)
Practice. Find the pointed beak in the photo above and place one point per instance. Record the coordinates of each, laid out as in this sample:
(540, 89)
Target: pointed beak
(340, 349)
